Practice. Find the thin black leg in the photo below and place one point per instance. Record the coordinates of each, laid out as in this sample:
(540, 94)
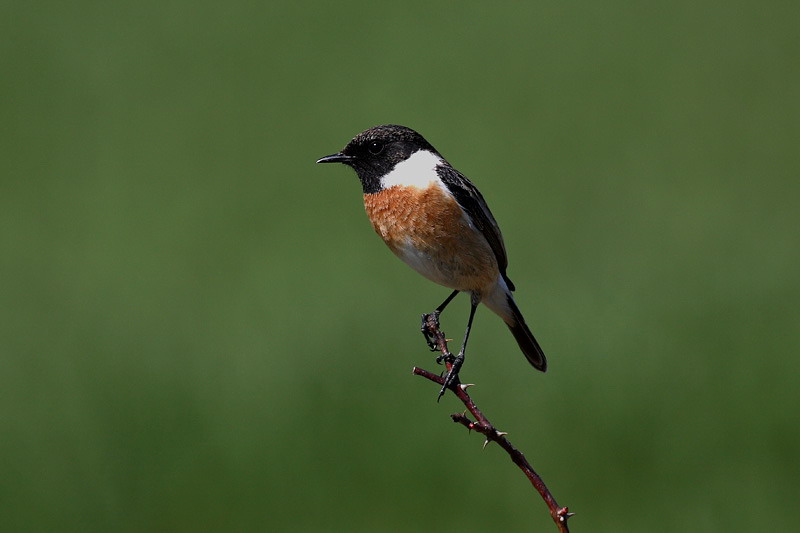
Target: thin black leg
(473, 307)
(444, 303)
(452, 376)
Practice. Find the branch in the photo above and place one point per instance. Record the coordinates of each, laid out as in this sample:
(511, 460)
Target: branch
(482, 425)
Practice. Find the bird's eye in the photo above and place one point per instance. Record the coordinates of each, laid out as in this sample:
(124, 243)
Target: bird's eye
(375, 147)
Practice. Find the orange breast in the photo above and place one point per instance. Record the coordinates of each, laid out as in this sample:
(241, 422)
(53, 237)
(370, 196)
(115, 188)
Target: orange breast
(429, 231)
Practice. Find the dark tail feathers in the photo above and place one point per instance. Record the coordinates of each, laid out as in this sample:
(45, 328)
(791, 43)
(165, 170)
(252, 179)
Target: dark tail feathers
(525, 338)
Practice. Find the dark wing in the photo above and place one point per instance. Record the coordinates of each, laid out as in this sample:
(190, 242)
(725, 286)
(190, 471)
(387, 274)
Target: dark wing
(471, 201)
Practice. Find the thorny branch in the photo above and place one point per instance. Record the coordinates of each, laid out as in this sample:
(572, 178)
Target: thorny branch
(482, 425)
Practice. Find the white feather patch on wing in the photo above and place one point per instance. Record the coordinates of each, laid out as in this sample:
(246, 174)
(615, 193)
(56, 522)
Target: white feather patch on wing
(419, 171)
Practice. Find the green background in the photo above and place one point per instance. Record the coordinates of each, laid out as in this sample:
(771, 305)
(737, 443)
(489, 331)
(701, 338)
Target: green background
(199, 330)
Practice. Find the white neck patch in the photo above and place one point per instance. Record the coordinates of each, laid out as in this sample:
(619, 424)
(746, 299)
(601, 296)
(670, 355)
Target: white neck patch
(419, 171)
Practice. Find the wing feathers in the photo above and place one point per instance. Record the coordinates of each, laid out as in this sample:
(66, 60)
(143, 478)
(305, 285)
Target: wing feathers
(471, 201)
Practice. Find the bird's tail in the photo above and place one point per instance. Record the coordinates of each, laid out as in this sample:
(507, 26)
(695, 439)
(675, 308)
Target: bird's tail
(502, 303)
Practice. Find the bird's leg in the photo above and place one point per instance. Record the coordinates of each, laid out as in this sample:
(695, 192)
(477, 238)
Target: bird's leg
(451, 378)
(426, 332)
(444, 304)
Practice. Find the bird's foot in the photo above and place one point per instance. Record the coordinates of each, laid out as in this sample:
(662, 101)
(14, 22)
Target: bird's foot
(451, 378)
(447, 358)
(430, 338)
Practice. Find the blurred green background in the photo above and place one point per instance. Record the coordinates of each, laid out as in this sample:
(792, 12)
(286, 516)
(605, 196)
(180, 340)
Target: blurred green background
(199, 330)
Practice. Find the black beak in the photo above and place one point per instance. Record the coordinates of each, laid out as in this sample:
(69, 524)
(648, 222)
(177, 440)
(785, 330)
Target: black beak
(336, 158)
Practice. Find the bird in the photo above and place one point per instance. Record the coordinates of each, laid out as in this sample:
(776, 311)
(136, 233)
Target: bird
(436, 220)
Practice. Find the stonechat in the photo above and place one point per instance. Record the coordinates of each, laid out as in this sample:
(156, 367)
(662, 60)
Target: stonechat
(433, 218)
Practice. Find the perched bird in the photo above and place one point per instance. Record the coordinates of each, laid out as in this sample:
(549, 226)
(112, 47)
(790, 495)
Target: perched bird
(433, 218)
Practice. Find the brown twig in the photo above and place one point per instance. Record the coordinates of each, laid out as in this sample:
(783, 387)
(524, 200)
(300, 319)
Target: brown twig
(482, 425)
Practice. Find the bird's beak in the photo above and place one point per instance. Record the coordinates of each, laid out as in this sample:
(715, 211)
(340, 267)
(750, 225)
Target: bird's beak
(336, 158)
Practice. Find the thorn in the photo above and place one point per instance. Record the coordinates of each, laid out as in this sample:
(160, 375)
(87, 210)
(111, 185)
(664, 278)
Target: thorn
(465, 386)
(564, 513)
(485, 443)
(500, 433)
